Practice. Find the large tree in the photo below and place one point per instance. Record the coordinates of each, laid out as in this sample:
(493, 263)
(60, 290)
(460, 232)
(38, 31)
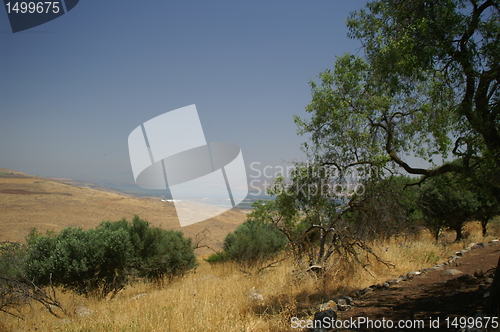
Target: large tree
(427, 84)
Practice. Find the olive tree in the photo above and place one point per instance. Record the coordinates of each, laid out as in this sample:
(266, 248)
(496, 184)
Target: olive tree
(427, 85)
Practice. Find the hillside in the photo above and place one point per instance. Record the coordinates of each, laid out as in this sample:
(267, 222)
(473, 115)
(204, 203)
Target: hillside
(28, 202)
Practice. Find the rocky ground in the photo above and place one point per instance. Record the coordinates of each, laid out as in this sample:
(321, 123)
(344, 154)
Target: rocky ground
(441, 297)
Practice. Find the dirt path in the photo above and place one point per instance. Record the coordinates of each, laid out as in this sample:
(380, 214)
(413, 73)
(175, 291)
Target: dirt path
(433, 294)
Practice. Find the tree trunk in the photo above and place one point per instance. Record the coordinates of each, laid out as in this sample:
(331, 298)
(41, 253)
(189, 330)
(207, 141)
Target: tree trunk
(459, 234)
(484, 222)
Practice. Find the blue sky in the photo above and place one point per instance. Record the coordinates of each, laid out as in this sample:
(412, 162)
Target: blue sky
(73, 89)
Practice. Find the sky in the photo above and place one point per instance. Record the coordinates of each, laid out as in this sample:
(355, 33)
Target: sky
(73, 89)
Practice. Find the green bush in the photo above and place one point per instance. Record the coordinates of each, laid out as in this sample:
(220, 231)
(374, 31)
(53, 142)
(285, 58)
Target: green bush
(448, 201)
(99, 261)
(253, 240)
(84, 261)
(217, 257)
(11, 258)
(158, 253)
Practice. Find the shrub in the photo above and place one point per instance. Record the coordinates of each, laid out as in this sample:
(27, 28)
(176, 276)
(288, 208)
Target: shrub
(253, 240)
(17, 290)
(99, 261)
(165, 254)
(217, 257)
(84, 261)
(157, 253)
(448, 201)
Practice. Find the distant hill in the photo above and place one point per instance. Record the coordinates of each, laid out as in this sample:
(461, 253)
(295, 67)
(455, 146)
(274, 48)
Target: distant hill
(28, 202)
(92, 185)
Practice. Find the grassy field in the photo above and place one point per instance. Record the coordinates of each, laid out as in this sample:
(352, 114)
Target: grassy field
(216, 297)
(28, 202)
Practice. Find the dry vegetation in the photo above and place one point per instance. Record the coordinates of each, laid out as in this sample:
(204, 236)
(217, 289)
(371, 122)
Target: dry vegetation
(28, 202)
(215, 298)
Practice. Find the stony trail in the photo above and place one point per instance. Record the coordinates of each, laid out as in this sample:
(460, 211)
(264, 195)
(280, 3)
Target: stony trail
(439, 294)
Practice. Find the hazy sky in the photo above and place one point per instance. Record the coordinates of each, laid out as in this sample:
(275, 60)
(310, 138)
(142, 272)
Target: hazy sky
(73, 89)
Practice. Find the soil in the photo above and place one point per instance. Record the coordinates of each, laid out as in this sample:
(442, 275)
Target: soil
(431, 295)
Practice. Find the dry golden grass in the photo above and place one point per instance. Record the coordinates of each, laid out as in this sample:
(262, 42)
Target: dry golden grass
(215, 297)
(54, 205)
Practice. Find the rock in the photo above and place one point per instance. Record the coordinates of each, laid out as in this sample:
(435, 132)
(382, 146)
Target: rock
(327, 315)
(139, 296)
(341, 302)
(495, 241)
(343, 307)
(367, 290)
(436, 268)
(254, 295)
(488, 280)
(386, 285)
(393, 281)
(328, 305)
(349, 300)
(413, 274)
(83, 311)
(451, 272)
(402, 278)
(480, 245)
(479, 274)
(364, 291)
(462, 252)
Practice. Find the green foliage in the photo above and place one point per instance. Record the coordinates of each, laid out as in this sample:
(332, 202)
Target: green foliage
(165, 254)
(11, 258)
(157, 253)
(448, 201)
(102, 260)
(253, 240)
(427, 85)
(217, 257)
(386, 208)
(83, 261)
